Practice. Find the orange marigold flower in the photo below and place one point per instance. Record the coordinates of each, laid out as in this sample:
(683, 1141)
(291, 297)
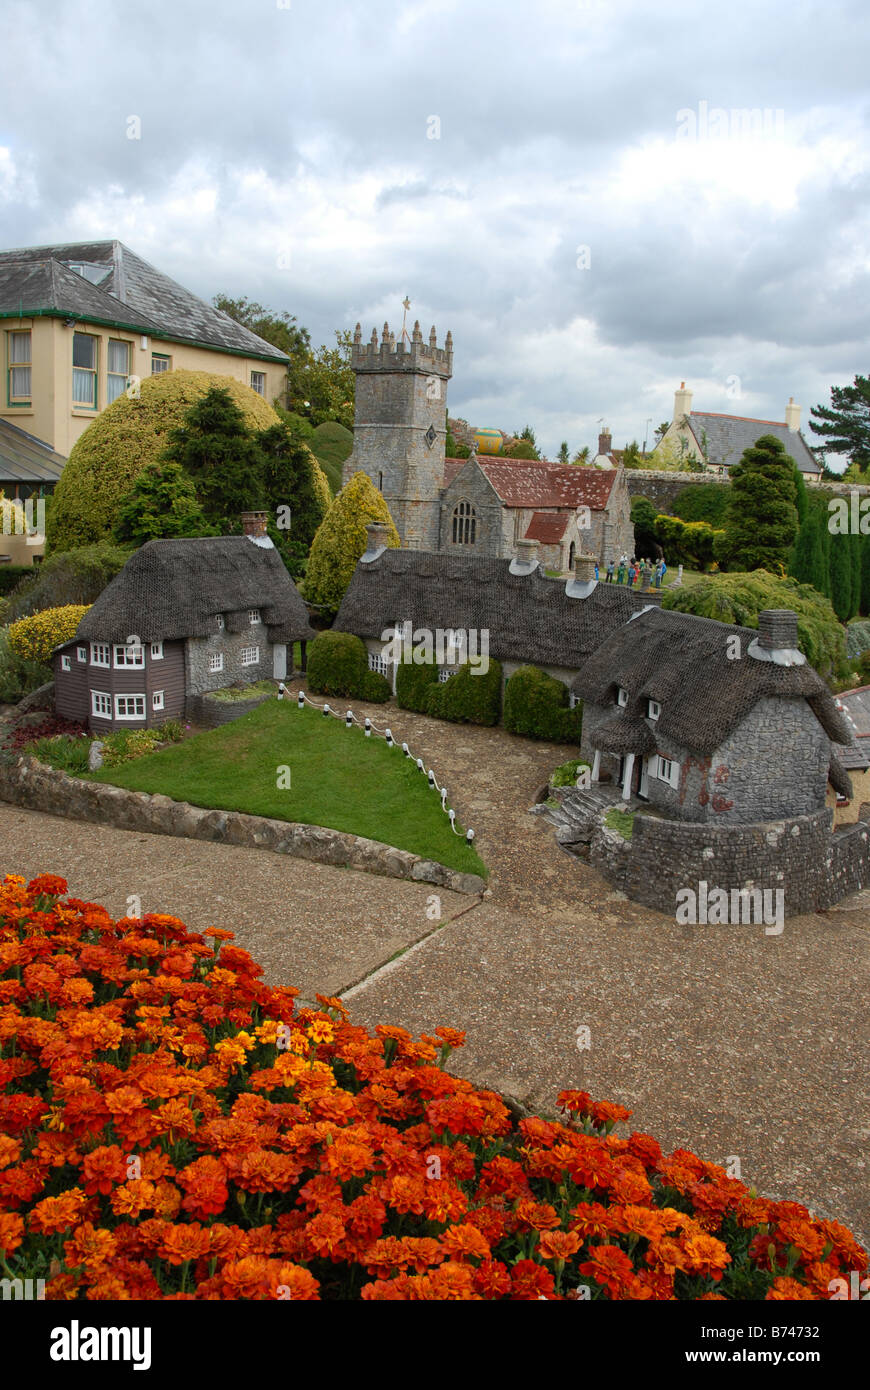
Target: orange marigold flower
(52, 885)
(54, 1214)
(530, 1280)
(324, 1234)
(492, 1280)
(184, 1242)
(103, 1169)
(608, 1266)
(558, 1245)
(593, 1219)
(784, 1288)
(89, 1246)
(11, 1232)
(10, 1150)
(535, 1216)
(464, 1243)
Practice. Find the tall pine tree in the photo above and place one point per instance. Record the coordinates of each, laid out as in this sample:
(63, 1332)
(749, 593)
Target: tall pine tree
(761, 522)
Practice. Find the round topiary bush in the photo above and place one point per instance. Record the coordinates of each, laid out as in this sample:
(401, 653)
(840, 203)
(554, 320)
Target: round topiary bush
(125, 438)
(35, 638)
(537, 706)
(338, 664)
(470, 697)
(413, 683)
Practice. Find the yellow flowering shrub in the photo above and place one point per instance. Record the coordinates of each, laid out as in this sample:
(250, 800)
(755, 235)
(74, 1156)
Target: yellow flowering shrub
(35, 638)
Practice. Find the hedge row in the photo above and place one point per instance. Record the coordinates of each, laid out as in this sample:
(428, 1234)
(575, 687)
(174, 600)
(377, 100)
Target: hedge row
(338, 664)
(537, 706)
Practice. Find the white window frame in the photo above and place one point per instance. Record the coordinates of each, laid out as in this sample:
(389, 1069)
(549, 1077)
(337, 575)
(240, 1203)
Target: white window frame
(379, 663)
(82, 653)
(21, 365)
(572, 700)
(254, 616)
(122, 663)
(97, 659)
(65, 663)
(216, 661)
(92, 403)
(105, 697)
(250, 656)
(653, 709)
(261, 389)
(221, 622)
(667, 770)
(130, 695)
(156, 651)
(164, 360)
(621, 697)
(157, 701)
(445, 672)
(117, 381)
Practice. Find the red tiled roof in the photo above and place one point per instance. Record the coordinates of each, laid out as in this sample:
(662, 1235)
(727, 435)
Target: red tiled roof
(519, 484)
(451, 468)
(547, 527)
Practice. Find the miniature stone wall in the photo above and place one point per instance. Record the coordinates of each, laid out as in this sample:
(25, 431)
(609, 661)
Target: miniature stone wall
(31, 784)
(211, 713)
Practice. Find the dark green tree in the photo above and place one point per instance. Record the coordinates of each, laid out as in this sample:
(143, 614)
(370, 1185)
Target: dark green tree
(841, 577)
(807, 563)
(761, 520)
(220, 453)
(856, 551)
(865, 575)
(643, 519)
(281, 330)
(564, 455)
(631, 455)
(161, 503)
(290, 481)
(845, 424)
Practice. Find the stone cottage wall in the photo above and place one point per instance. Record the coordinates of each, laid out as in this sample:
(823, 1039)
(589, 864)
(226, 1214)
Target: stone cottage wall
(200, 680)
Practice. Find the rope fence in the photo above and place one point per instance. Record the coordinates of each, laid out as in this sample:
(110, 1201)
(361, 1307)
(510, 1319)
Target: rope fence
(369, 727)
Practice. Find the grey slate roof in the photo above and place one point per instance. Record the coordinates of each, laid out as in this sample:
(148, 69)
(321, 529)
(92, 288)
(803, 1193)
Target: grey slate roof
(171, 590)
(855, 706)
(130, 293)
(682, 662)
(729, 435)
(26, 459)
(529, 618)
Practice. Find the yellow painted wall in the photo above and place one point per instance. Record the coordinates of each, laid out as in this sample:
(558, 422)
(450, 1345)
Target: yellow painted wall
(52, 416)
(848, 815)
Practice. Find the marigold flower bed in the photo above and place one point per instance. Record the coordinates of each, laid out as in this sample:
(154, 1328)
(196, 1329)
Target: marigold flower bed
(173, 1128)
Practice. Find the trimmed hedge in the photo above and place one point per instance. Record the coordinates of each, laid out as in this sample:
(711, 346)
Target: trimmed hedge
(536, 705)
(467, 698)
(338, 664)
(413, 684)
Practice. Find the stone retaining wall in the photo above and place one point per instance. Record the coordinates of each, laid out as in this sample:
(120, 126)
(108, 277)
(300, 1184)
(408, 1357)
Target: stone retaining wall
(31, 784)
(798, 855)
(663, 487)
(210, 713)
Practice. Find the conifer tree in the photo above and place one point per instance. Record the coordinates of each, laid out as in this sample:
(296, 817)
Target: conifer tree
(161, 504)
(841, 577)
(218, 450)
(761, 521)
(341, 539)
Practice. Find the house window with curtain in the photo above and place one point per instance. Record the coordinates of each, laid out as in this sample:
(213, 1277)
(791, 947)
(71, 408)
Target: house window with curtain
(84, 383)
(20, 367)
(258, 383)
(464, 524)
(118, 369)
(160, 363)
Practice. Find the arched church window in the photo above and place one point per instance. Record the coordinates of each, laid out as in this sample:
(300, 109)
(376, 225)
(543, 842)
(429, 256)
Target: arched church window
(464, 524)
(572, 550)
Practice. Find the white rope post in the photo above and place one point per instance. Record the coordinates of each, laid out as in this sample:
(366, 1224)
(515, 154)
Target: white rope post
(348, 719)
(368, 727)
(301, 699)
(389, 737)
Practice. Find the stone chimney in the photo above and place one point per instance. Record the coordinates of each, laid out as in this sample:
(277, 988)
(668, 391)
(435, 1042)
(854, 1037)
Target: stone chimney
(584, 568)
(526, 558)
(682, 403)
(378, 538)
(254, 524)
(604, 442)
(793, 415)
(777, 639)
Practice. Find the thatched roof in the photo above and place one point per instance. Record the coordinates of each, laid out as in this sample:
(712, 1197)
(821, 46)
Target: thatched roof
(624, 734)
(170, 590)
(682, 662)
(839, 777)
(529, 618)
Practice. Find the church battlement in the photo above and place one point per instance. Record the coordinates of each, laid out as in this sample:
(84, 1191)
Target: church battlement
(386, 355)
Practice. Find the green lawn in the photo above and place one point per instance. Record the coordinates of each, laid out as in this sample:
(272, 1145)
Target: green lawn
(338, 778)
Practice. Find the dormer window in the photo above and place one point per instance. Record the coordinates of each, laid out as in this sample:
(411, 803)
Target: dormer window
(621, 697)
(219, 620)
(254, 615)
(653, 709)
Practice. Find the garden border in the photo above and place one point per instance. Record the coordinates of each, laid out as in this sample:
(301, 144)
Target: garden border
(28, 783)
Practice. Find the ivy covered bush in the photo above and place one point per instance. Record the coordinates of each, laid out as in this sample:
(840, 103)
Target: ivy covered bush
(35, 638)
(413, 684)
(338, 664)
(536, 705)
(341, 539)
(469, 697)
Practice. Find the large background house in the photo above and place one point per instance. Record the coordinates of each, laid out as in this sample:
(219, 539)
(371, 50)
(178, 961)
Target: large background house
(477, 506)
(81, 318)
(719, 441)
(204, 614)
(29, 470)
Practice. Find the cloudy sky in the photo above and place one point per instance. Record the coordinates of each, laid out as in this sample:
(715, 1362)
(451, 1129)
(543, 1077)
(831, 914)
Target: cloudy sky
(578, 189)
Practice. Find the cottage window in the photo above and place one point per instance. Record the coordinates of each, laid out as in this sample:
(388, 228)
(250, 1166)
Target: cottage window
(127, 656)
(667, 770)
(65, 663)
(622, 697)
(254, 615)
(157, 699)
(20, 368)
(258, 383)
(118, 369)
(84, 382)
(216, 662)
(221, 624)
(100, 654)
(379, 663)
(653, 709)
(250, 656)
(82, 653)
(156, 651)
(160, 363)
(445, 672)
(129, 706)
(572, 700)
(464, 524)
(101, 704)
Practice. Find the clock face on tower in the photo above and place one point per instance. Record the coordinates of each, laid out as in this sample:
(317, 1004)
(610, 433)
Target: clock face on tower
(429, 436)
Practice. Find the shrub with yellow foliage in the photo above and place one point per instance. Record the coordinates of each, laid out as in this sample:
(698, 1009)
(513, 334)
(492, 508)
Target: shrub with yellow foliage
(35, 638)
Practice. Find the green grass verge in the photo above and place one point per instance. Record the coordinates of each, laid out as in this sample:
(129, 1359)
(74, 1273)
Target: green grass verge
(245, 692)
(339, 778)
(622, 821)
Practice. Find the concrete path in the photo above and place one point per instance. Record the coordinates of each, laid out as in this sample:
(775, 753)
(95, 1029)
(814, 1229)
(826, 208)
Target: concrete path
(721, 1039)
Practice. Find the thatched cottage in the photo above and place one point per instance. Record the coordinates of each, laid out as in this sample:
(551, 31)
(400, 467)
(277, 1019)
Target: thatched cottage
(183, 618)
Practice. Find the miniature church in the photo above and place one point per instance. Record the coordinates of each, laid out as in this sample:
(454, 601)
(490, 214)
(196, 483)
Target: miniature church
(479, 505)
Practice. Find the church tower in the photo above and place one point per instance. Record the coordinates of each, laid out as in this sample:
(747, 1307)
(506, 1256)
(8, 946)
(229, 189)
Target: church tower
(400, 427)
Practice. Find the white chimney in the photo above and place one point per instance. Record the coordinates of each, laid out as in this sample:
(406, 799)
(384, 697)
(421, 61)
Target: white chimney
(682, 403)
(793, 415)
